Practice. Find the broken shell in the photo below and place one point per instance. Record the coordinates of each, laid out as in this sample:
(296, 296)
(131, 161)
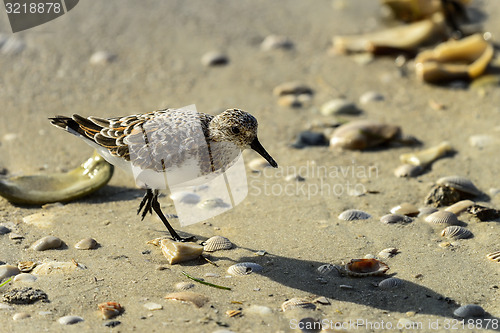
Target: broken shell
(427, 156)
(459, 183)
(41, 189)
(495, 256)
(327, 269)
(217, 243)
(395, 218)
(456, 232)
(292, 88)
(365, 267)
(184, 285)
(390, 283)
(47, 243)
(244, 268)
(388, 253)
(442, 217)
(405, 209)
(176, 252)
(362, 134)
(469, 310)
(297, 303)
(233, 313)
(401, 38)
(185, 197)
(110, 309)
(408, 170)
(190, 297)
(460, 206)
(52, 267)
(354, 214)
(86, 244)
(455, 59)
(26, 266)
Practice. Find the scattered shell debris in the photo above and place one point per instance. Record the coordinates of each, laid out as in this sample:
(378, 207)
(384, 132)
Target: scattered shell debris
(275, 42)
(26, 266)
(56, 267)
(388, 253)
(184, 285)
(405, 208)
(363, 134)
(408, 170)
(70, 320)
(395, 218)
(459, 207)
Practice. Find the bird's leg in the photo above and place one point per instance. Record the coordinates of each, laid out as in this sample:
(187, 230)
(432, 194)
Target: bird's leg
(156, 207)
(146, 204)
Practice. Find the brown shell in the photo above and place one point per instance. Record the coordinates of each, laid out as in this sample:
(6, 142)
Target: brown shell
(110, 309)
(365, 267)
(26, 266)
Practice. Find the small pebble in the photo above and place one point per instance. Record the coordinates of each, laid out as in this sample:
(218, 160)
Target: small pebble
(86, 244)
(273, 42)
(112, 323)
(45, 313)
(102, 58)
(469, 310)
(371, 96)
(339, 106)
(292, 88)
(4, 230)
(69, 320)
(46, 243)
(20, 316)
(25, 277)
(408, 170)
(308, 138)
(293, 177)
(214, 58)
(259, 309)
(153, 306)
(289, 101)
(7, 271)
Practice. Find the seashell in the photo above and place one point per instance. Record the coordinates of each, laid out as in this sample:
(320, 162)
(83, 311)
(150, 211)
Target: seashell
(354, 214)
(365, 267)
(153, 306)
(211, 203)
(466, 58)
(217, 243)
(405, 209)
(494, 256)
(442, 217)
(41, 189)
(469, 310)
(371, 96)
(460, 206)
(244, 268)
(26, 266)
(55, 267)
(401, 38)
(184, 285)
(47, 243)
(395, 218)
(20, 316)
(292, 88)
(442, 196)
(273, 42)
(25, 277)
(86, 244)
(214, 58)
(8, 271)
(110, 309)
(425, 157)
(408, 170)
(102, 58)
(339, 106)
(176, 252)
(458, 183)
(390, 283)
(289, 101)
(308, 138)
(426, 211)
(190, 297)
(388, 253)
(233, 313)
(297, 303)
(327, 269)
(69, 320)
(185, 197)
(362, 134)
(456, 232)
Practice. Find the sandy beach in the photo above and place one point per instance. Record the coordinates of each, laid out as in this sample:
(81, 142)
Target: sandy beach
(157, 48)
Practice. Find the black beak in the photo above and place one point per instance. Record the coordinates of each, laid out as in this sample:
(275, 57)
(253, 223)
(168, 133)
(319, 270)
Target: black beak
(255, 145)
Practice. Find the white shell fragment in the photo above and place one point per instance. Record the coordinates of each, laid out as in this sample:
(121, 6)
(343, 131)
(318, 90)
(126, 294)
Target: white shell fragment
(388, 253)
(442, 217)
(176, 252)
(494, 256)
(20, 316)
(459, 183)
(339, 106)
(273, 42)
(46, 243)
(390, 283)
(244, 268)
(184, 285)
(101, 58)
(427, 156)
(354, 214)
(153, 306)
(371, 96)
(456, 232)
(405, 208)
(217, 243)
(297, 303)
(408, 170)
(86, 244)
(41, 219)
(69, 320)
(327, 269)
(469, 310)
(395, 218)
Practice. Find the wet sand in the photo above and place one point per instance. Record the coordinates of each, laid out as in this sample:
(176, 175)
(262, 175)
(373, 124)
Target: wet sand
(158, 47)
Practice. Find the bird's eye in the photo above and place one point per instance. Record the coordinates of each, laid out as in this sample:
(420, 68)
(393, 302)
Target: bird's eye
(235, 130)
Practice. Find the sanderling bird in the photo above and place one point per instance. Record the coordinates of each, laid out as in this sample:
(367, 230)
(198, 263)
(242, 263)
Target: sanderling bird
(168, 147)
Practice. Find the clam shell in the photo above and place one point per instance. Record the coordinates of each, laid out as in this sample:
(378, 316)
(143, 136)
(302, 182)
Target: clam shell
(46, 243)
(176, 252)
(188, 296)
(365, 267)
(110, 309)
(86, 244)
(244, 268)
(362, 134)
(469, 310)
(442, 217)
(459, 183)
(26, 266)
(456, 232)
(495, 256)
(405, 209)
(354, 214)
(460, 206)
(217, 243)
(297, 303)
(395, 218)
(388, 253)
(390, 283)
(184, 285)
